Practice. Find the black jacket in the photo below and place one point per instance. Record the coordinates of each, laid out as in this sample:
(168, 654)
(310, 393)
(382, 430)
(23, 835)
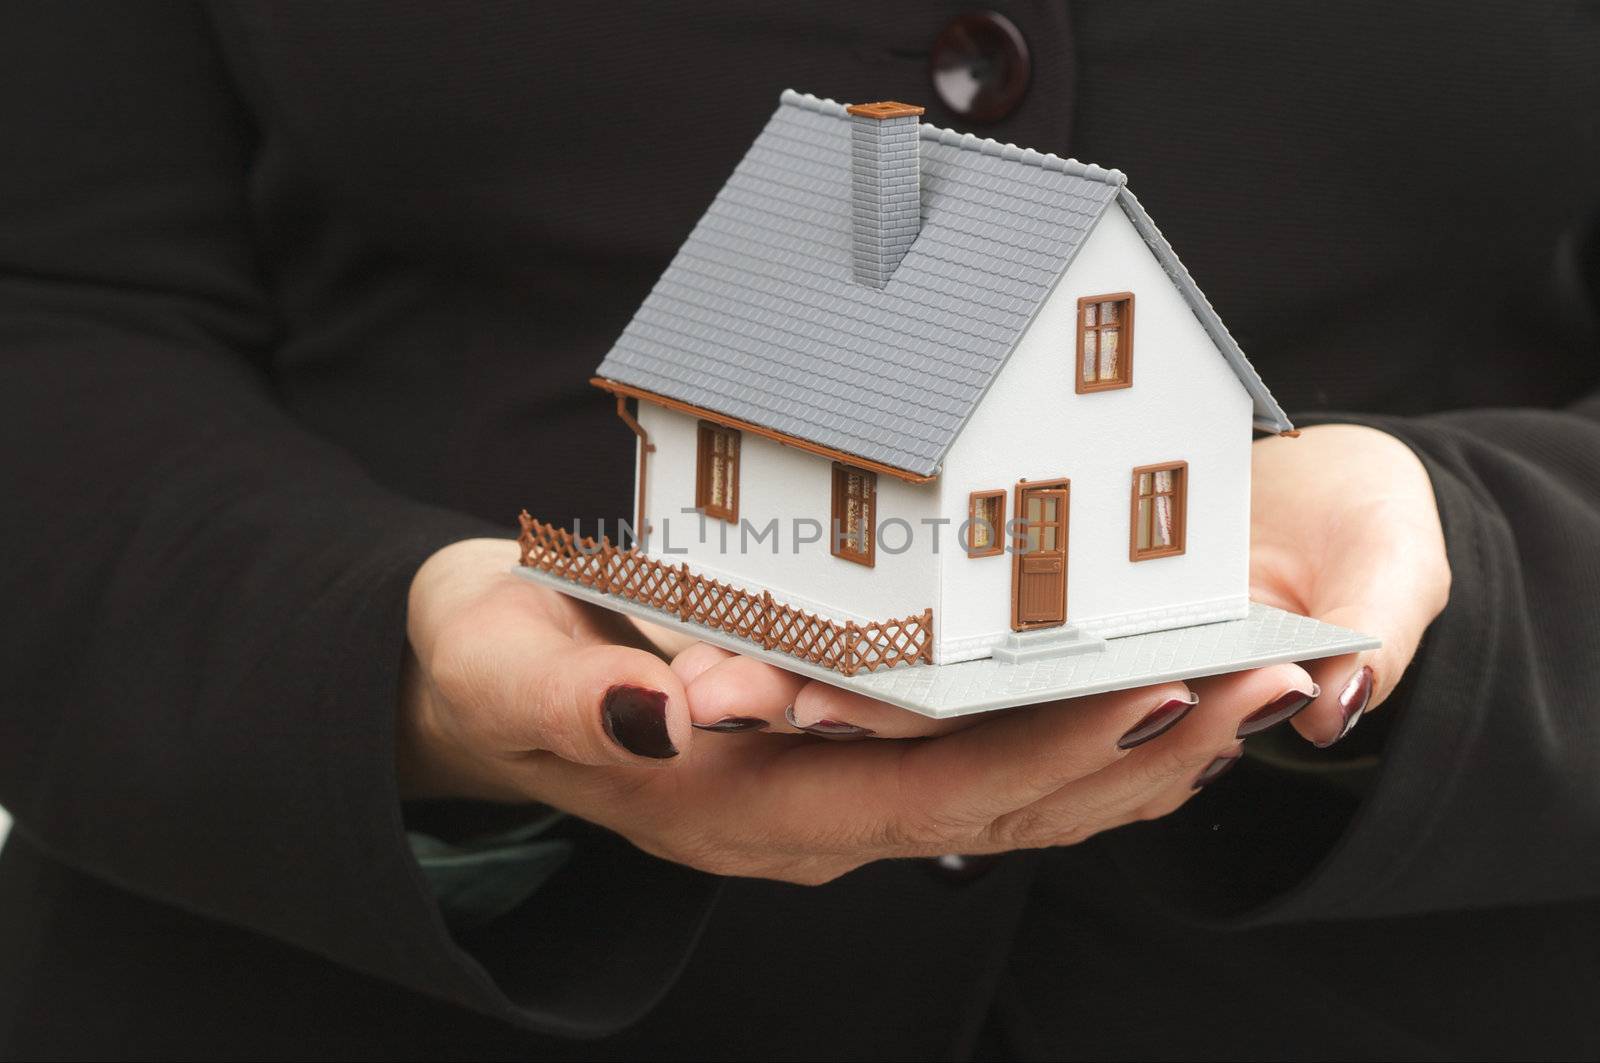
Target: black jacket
(291, 295)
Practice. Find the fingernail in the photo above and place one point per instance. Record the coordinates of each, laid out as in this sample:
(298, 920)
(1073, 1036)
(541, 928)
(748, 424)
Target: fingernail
(636, 720)
(827, 728)
(1216, 770)
(733, 724)
(1276, 711)
(1353, 699)
(1160, 720)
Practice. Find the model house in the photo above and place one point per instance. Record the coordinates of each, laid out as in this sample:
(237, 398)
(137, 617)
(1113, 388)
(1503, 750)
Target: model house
(895, 368)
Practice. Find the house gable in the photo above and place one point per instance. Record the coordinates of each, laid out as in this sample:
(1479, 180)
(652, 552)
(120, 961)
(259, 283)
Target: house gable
(1185, 406)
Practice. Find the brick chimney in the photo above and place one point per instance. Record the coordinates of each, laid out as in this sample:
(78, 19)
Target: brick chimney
(885, 187)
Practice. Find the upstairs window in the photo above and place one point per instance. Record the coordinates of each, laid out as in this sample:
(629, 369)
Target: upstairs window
(716, 478)
(855, 505)
(1105, 342)
(1160, 509)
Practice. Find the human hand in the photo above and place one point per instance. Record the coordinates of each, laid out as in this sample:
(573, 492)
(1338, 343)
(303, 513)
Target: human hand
(496, 670)
(517, 693)
(1344, 528)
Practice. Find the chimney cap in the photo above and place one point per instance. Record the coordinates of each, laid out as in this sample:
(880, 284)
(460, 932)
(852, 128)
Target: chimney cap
(885, 109)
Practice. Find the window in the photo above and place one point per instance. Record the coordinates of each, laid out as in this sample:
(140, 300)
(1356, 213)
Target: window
(1160, 506)
(986, 522)
(855, 504)
(1105, 342)
(716, 477)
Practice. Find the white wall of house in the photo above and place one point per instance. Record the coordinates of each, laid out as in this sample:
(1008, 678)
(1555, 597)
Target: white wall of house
(1185, 404)
(785, 484)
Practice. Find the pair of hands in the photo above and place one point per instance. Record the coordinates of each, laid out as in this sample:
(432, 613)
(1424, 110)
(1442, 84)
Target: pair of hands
(721, 762)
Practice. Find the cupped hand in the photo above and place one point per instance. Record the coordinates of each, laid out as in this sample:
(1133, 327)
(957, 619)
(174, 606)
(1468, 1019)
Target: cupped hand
(513, 692)
(499, 673)
(516, 693)
(1344, 528)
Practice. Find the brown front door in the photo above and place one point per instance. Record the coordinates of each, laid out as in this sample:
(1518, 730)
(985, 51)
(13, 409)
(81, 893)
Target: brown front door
(1039, 565)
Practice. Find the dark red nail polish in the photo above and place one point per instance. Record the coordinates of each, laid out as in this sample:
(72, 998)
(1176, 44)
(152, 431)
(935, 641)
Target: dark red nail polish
(827, 728)
(1159, 721)
(734, 724)
(636, 719)
(1216, 770)
(1353, 699)
(1276, 711)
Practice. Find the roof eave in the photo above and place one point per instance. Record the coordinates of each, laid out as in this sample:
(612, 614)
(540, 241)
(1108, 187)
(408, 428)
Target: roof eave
(617, 387)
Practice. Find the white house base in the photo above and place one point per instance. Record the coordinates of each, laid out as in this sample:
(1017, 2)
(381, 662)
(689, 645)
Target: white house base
(1265, 636)
(1086, 634)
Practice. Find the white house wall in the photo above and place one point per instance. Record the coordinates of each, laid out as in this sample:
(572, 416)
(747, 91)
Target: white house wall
(1185, 405)
(784, 483)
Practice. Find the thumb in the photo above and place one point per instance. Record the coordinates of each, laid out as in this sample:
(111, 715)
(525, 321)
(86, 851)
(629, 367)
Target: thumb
(1344, 528)
(1394, 601)
(508, 681)
(600, 704)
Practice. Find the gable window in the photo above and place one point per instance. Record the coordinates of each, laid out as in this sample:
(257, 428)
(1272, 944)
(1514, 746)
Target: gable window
(1105, 342)
(1160, 509)
(986, 520)
(716, 478)
(855, 504)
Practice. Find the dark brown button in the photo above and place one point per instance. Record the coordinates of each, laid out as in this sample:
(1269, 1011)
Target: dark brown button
(980, 66)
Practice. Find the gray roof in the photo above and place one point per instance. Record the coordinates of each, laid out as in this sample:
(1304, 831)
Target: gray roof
(757, 317)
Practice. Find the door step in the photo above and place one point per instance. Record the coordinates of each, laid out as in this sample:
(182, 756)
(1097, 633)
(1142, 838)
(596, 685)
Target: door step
(1063, 641)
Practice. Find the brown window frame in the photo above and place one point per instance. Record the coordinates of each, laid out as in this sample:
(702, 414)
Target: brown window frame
(705, 456)
(997, 531)
(1124, 378)
(869, 498)
(1180, 512)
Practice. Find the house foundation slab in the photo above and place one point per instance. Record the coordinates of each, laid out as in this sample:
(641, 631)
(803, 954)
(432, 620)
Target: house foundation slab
(1265, 636)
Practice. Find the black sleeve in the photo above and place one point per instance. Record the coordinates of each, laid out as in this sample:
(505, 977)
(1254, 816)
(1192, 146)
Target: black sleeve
(1487, 782)
(205, 601)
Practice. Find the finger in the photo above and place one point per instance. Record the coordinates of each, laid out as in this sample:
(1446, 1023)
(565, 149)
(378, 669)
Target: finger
(1380, 568)
(1349, 690)
(693, 660)
(1159, 775)
(1393, 602)
(867, 800)
(588, 624)
(739, 694)
(1152, 780)
(667, 641)
(833, 711)
(1240, 704)
(518, 685)
(975, 776)
(1181, 789)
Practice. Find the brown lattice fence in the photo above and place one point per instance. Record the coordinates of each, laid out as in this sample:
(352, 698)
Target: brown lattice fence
(774, 625)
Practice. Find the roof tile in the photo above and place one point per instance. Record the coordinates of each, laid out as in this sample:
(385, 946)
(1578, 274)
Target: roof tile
(758, 317)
